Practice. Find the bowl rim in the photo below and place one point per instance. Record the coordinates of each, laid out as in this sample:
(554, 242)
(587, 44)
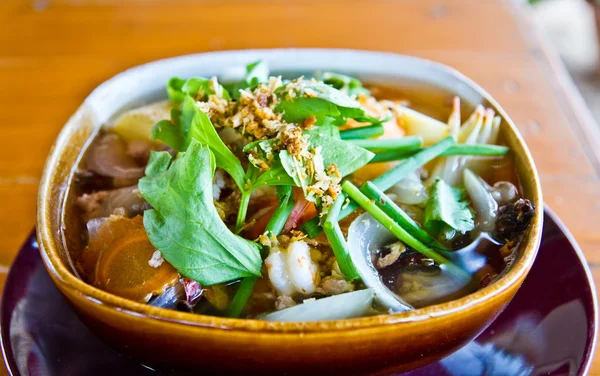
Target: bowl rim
(61, 275)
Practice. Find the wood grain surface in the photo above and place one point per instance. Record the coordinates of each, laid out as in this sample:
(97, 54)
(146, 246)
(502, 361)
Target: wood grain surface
(53, 53)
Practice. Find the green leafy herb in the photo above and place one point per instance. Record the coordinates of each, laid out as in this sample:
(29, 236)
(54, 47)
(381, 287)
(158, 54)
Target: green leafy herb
(380, 216)
(301, 108)
(447, 211)
(197, 87)
(328, 130)
(276, 175)
(174, 89)
(346, 84)
(323, 101)
(256, 73)
(158, 163)
(388, 179)
(345, 155)
(185, 226)
(191, 123)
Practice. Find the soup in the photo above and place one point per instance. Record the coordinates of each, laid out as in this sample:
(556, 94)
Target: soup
(297, 200)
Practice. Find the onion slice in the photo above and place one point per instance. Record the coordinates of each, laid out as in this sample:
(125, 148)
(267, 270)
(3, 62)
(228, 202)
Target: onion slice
(483, 202)
(336, 307)
(365, 237)
(108, 157)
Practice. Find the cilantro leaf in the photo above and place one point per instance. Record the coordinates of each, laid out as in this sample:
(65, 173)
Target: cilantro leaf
(446, 210)
(185, 226)
(190, 123)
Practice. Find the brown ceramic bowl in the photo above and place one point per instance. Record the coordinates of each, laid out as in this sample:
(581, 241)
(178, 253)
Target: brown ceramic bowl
(378, 344)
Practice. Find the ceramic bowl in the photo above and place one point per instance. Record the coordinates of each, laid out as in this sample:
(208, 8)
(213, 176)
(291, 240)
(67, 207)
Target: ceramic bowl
(376, 345)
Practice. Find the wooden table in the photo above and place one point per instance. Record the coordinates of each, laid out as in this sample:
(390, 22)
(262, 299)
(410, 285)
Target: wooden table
(53, 53)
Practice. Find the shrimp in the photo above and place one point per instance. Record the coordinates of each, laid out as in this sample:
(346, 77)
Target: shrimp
(292, 271)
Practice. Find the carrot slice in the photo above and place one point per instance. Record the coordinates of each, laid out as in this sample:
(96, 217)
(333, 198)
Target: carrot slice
(123, 268)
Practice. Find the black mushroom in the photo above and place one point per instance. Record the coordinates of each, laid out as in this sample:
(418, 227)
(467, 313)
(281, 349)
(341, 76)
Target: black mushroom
(514, 219)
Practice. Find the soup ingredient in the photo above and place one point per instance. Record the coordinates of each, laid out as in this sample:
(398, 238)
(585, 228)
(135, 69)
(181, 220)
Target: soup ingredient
(256, 72)
(136, 124)
(170, 298)
(446, 211)
(283, 211)
(273, 228)
(123, 269)
(409, 191)
(397, 144)
(125, 201)
(514, 219)
(102, 232)
(307, 98)
(301, 211)
(418, 124)
(398, 231)
(368, 131)
(482, 127)
(217, 296)
(346, 84)
(196, 87)
(337, 241)
(421, 284)
(398, 215)
(365, 237)
(292, 271)
(387, 180)
(483, 202)
(192, 124)
(504, 192)
(395, 250)
(337, 307)
(185, 226)
(480, 150)
(108, 157)
(331, 160)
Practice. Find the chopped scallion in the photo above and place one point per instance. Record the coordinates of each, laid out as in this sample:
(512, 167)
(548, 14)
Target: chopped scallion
(337, 241)
(482, 150)
(369, 131)
(396, 144)
(369, 206)
(275, 225)
(390, 208)
(241, 297)
(388, 179)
